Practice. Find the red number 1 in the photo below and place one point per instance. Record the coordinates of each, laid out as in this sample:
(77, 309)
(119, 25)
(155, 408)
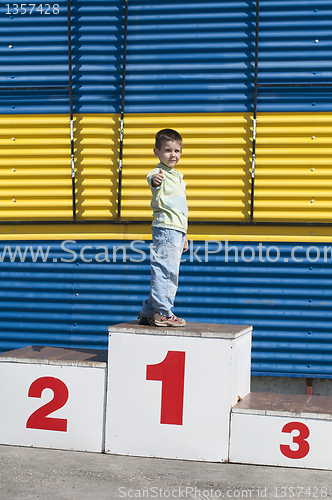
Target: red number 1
(171, 373)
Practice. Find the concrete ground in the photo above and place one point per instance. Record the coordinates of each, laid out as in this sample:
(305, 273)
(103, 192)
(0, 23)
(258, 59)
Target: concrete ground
(30, 473)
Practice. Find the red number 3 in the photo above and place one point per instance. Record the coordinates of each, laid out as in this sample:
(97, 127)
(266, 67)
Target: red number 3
(300, 440)
(39, 419)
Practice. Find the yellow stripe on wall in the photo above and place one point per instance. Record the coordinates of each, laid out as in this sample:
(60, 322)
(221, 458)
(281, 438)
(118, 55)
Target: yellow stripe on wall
(293, 173)
(97, 139)
(215, 162)
(35, 167)
(35, 174)
(293, 167)
(143, 232)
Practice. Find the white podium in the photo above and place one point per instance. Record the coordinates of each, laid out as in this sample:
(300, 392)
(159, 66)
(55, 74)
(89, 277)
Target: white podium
(53, 398)
(170, 391)
(289, 430)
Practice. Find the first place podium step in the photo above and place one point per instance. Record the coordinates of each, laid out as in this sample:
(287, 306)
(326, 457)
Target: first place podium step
(170, 390)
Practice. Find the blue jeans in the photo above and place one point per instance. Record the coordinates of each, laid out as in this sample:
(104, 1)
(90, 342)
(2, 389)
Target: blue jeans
(165, 262)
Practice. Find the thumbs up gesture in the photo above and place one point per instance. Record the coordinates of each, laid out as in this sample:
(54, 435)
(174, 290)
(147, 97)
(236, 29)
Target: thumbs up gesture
(157, 179)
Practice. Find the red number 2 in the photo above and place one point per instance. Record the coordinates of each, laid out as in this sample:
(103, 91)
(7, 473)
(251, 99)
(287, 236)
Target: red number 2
(303, 448)
(171, 373)
(39, 418)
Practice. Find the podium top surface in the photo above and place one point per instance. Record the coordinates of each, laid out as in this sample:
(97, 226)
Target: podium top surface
(45, 355)
(301, 405)
(204, 330)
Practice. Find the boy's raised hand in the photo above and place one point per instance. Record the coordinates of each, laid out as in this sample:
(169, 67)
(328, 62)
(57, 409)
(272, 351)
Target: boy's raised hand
(157, 179)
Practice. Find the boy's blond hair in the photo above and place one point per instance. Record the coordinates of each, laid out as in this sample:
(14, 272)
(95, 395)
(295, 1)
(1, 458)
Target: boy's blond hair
(167, 134)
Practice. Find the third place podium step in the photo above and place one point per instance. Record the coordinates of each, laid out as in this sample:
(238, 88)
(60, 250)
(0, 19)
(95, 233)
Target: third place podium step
(292, 430)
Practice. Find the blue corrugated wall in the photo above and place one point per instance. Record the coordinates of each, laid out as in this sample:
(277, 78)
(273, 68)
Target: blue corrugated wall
(72, 303)
(190, 56)
(294, 47)
(34, 52)
(183, 57)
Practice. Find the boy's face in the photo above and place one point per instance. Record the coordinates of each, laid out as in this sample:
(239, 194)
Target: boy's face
(170, 152)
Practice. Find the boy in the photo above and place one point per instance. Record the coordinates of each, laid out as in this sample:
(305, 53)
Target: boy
(169, 228)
